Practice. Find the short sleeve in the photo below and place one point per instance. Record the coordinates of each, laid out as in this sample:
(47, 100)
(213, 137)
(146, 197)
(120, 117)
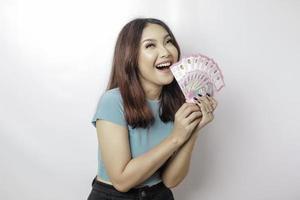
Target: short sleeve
(110, 108)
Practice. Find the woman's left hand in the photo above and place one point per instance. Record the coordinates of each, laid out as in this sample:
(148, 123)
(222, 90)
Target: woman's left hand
(207, 105)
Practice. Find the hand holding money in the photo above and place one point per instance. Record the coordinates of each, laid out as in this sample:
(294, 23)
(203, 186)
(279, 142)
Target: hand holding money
(207, 106)
(187, 118)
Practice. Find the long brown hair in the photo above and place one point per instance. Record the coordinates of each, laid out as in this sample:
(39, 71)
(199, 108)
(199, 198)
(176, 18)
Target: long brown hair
(124, 75)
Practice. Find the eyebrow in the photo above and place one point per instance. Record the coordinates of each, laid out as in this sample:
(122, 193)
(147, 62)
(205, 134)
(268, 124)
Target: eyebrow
(154, 39)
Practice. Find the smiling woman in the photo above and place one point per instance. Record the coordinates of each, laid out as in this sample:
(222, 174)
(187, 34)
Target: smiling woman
(157, 53)
(144, 126)
(142, 45)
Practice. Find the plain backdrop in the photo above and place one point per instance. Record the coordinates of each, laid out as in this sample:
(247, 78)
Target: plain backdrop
(55, 59)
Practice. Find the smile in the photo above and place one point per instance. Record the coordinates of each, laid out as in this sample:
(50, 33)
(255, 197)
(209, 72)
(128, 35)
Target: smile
(163, 66)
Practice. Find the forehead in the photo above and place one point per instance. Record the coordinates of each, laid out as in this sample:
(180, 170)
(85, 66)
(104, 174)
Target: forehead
(153, 31)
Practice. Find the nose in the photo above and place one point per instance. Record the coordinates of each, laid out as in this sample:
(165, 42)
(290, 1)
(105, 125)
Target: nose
(164, 52)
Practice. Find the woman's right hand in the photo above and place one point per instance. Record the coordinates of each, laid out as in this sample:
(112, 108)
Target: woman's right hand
(186, 119)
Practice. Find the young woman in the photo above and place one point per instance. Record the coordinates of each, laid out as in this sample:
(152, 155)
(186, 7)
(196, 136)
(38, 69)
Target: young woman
(146, 131)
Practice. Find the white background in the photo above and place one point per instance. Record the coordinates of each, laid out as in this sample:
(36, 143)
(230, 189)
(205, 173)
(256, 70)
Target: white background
(55, 58)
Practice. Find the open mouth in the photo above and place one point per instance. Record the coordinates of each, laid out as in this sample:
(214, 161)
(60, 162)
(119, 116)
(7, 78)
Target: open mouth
(164, 66)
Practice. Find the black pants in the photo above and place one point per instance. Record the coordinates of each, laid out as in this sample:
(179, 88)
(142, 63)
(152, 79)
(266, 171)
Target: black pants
(103, 191)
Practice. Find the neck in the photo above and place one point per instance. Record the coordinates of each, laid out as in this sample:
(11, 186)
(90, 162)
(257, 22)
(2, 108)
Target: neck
(152, 92)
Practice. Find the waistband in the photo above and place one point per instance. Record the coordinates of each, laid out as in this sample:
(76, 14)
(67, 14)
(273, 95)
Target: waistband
(151, 188)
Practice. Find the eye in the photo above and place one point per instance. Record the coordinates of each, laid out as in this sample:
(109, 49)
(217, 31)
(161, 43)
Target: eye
(170, 41)
(149, 45)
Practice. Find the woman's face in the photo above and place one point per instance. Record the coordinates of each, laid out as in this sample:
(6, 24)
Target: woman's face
(156, 48)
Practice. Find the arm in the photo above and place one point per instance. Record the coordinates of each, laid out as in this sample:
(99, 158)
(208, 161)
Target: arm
(177, 167)
(125, 172)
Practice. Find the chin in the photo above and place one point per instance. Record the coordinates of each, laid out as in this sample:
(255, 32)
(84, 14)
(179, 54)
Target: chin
(167, 81)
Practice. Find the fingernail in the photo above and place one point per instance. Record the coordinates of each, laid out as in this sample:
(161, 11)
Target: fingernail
(199, 95)
(208, 94)
(195, 98)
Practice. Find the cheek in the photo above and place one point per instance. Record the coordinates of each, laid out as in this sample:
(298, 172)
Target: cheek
(149, 58)
(145, 64)
(175, 53)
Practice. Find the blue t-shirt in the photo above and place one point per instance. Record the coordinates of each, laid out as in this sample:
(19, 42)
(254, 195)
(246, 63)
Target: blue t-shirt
(110, 108)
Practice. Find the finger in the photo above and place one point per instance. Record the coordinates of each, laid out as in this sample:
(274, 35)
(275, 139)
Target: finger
(207, 106)
(197, 104)
(207, 103)
(211, 103)
(205, 120)
(182, 108)
(211, 98)
(214, 102)
(194, 123)
(203, 107)
(189, 110)
(193, 116)
(210, 116)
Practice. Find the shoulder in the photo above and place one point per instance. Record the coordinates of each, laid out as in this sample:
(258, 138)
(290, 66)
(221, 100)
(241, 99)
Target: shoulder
(112, 93)
(110, 107)
(111, 96)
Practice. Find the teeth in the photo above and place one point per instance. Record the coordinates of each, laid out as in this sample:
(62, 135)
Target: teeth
(164, 64)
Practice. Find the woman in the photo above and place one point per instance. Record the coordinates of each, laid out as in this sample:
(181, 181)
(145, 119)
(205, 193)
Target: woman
(146, 131)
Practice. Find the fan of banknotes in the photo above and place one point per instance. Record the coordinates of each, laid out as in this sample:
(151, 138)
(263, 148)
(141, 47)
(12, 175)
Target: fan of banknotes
(197, 74)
